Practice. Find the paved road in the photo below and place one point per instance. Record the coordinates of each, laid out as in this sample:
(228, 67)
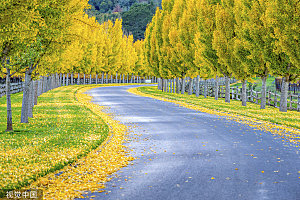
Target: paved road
(185, 154)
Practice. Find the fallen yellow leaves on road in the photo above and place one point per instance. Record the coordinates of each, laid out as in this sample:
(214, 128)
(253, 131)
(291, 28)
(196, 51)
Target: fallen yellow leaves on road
(91, 172)
(286, 131)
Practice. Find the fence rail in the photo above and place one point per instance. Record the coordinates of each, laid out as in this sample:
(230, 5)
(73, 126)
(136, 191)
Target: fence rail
(272, 98)
(208, 88)
(81, 79)
(14, 88)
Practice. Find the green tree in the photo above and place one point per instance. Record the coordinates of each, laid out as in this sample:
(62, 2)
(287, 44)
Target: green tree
(205, 55)
(282, 18)
(136, 19)
(223, 40)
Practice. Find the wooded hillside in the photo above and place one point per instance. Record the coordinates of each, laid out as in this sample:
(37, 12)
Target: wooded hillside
(136, 14)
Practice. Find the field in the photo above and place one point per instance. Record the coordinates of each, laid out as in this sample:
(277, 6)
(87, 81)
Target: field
(61, 131)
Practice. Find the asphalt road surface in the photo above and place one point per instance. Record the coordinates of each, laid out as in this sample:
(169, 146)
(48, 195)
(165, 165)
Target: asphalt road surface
(183, 154)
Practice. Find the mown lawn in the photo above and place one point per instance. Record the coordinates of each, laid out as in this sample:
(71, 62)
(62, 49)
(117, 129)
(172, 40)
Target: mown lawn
(61, 131)
(270, 114)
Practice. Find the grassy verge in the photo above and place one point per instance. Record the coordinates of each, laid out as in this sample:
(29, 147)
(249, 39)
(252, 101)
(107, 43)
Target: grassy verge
(267, 119)
(258, 84)
(90, 172)
(63, 129)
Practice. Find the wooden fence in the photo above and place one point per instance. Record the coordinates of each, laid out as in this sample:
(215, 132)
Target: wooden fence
(70, 79)
(272, 98)
(14, 88)
(293, 87)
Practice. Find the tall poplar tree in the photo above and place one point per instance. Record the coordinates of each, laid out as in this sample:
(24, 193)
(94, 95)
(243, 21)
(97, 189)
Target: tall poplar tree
(205, 54)
(222, 42)
(282, 18)
(254, 41)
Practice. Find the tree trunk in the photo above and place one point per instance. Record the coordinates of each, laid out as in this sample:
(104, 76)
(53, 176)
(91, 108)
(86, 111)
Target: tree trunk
(31, 97)
(72, 80)
(41, 85)
(158, 84)
(123, 78)
(67, 79)
(167, 85)
(183, 85)
(127, 78)
(263, 92)
(284, 94)
(39, 88)
(51, 82)
(96, 79)
(25, 100)
(64, 78)
(59, 80)
(197, 86)
(227, 89)
(9, 126)
(44, 84)
(190, 92)
(78, 79)
(111, 79)
(56, 80)
(36, 91)
(116, 77)
(84, 79)
(205, 88)
(217, 88)
(244, 93)
(106, 78)
(173, 85)
(177, 85)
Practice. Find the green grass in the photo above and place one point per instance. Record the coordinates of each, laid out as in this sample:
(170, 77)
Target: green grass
(270, 114)
(61, 131)
(258, 84)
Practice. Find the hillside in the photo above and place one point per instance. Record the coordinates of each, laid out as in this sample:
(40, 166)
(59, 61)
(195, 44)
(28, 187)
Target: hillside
(136, 14)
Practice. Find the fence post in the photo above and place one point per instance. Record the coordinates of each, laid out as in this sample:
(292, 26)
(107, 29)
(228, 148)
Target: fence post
(298, 103)
(251, 94)
(78, 79)
(275, 100)
(256, 98)
(72, 80)
(64, 78)
(67, 79)
(291, 99)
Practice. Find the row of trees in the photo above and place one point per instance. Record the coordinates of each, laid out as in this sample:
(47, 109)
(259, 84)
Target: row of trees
(229, 38)
(49, 37)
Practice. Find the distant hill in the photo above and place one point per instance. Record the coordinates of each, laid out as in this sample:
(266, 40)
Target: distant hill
(136, 14)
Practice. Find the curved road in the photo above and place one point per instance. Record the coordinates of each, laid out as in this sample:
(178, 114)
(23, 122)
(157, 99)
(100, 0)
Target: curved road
(185, 154)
